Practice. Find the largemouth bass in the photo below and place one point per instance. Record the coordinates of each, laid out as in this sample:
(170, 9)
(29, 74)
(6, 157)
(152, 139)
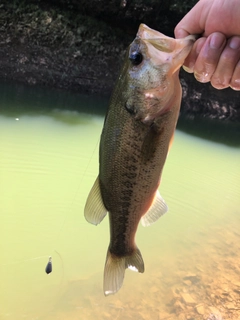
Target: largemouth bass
(137, 131)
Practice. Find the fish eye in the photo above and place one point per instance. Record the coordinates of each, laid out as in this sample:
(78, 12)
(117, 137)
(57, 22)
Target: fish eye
(136, 58)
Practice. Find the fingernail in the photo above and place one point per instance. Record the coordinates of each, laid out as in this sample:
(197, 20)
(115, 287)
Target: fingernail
(235, 85)
(217, 41)
(204, 77)
(200, 44)
(234, 43)
(189, 69)
(180, 33)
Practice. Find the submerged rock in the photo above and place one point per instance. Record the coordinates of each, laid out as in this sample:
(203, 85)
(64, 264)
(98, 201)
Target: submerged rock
(200, 309)
(187, 298)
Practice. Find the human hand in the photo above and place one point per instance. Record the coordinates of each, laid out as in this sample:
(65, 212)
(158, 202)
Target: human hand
(215, 56)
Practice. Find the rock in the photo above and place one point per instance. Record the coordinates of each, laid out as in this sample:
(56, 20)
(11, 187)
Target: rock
(213, 317)
(181, 316)
(178, 305)
(190, 275)
(164, 316)
(55, 52)
(199, 268)
(215, 314)
(187, 298)
(193, 277)
(187, 282)
(231, 306)
(174, 292)
(226, 291)
(200, 309)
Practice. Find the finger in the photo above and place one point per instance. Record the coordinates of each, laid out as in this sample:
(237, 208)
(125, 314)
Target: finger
(235, 81)
(208, 57)
(194, 21)
(225, 69)
(192, 57)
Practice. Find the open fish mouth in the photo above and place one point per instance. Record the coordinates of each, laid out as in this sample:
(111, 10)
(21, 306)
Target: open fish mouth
(164, 43)
(166, 46)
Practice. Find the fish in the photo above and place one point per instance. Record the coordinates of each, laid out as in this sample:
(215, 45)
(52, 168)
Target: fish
(137, 132)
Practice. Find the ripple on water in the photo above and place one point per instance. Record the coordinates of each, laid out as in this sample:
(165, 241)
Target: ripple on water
(47, 168)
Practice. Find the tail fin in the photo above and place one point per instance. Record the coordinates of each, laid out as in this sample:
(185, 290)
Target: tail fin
(115, 269)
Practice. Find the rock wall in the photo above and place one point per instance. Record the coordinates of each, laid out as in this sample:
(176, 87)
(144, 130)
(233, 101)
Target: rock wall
(80, 45)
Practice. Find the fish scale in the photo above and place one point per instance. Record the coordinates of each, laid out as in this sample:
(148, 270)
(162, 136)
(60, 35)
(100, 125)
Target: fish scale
(138, 130)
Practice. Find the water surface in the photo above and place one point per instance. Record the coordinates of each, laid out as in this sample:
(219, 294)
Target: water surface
(48, 163)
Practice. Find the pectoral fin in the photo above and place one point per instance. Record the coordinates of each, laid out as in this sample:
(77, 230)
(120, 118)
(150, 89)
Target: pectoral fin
(157, 209)
(95, 210)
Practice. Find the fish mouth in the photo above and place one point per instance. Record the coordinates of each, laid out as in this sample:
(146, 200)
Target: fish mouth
(163, 48)
(160, 41)
(144, 32)
(161, 45)
(157, 39)
(170, 45)
(167, 45)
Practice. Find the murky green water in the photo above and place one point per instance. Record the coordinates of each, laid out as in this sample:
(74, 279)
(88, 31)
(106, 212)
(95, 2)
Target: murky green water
(48, 163)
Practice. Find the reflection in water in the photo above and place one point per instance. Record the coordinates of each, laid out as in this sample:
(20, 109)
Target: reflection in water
(48, 163)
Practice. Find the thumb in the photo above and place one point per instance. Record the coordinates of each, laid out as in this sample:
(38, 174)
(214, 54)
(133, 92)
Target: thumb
(194, 20)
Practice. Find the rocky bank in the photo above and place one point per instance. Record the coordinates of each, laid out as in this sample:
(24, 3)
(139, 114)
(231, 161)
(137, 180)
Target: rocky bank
(80, 46)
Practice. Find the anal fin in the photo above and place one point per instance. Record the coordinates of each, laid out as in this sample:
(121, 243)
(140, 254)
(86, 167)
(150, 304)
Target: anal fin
(157, 209)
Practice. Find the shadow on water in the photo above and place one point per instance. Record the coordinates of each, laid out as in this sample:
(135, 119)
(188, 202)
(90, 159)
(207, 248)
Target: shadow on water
(225, 132)
(19, 99)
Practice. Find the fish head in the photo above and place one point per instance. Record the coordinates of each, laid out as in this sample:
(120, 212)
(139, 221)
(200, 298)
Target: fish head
(152, 72)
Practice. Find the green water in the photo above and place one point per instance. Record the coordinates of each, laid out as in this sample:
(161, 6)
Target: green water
(48, 163)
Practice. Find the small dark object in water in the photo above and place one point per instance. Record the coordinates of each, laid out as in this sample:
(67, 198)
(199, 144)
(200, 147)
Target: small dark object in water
(48, 268)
